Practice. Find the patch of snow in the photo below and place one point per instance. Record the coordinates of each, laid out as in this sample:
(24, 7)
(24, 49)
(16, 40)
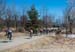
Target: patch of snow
(71, 36)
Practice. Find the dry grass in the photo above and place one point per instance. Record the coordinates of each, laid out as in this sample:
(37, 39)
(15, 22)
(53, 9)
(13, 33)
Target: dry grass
(46, 44)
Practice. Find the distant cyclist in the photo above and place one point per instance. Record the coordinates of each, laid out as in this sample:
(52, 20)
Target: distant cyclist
(9, 34)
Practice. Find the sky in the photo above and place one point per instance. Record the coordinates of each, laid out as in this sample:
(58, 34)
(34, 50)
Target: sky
(54, 7)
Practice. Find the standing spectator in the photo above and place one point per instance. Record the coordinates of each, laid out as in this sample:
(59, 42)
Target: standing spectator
(31, 32)
(41, 31)
(47, 31)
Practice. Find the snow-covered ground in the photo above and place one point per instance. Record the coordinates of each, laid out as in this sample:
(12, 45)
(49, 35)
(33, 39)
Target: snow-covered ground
(71, 36)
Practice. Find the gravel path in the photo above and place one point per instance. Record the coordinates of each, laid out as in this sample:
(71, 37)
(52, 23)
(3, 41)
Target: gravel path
(6, 44)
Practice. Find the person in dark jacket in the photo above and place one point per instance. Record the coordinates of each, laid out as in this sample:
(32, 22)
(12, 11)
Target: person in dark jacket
(9, 34)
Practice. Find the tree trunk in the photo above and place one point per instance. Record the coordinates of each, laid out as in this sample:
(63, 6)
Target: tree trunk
(70, 27)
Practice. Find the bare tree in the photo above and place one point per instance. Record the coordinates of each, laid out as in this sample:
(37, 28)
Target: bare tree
(23, 20)
(68, 16)
(15, 15)
(2, 7)
(2, 11)
(8, 18)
